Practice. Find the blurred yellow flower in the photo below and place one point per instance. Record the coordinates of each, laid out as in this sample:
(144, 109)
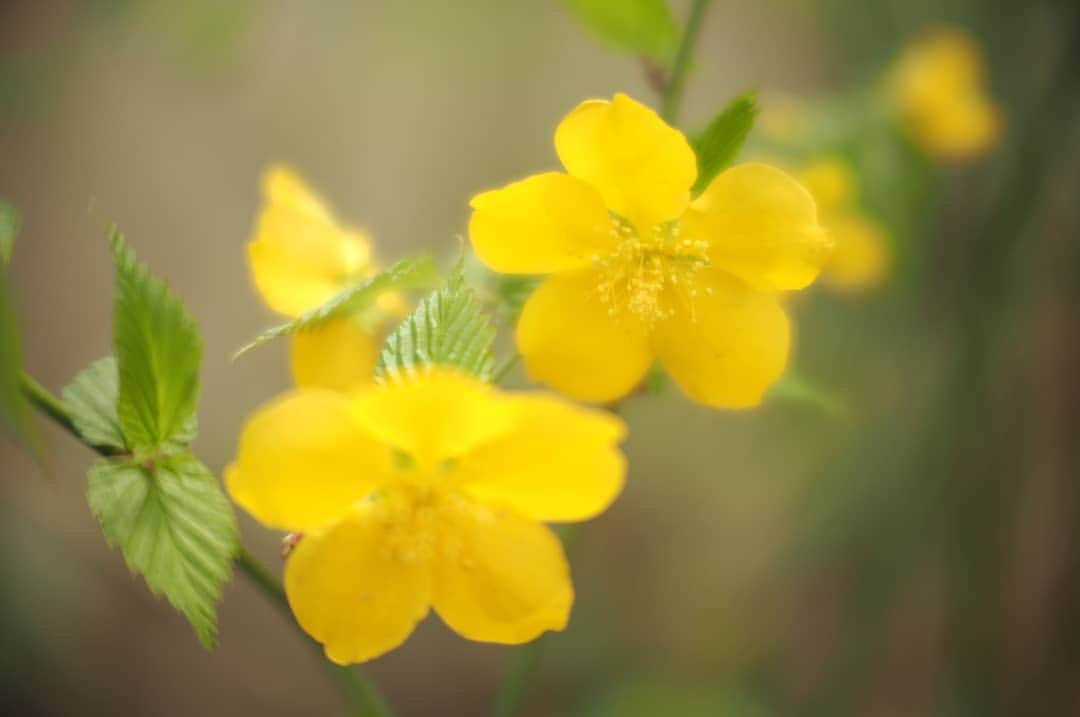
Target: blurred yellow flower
(300, 257)
(938, 85)
(639, 271)
(860, 258)
(426, 493)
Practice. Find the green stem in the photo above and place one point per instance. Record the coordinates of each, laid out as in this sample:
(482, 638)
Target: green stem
(669, 108)
(362, 697)
(262, 578)
(505, 367)
(40, 398)
(527, 658)
(523, 663)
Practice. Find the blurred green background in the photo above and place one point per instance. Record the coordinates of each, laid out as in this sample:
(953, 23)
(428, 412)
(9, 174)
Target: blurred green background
(916, 552)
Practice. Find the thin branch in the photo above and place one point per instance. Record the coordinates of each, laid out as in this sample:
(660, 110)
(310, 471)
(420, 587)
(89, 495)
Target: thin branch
(673, 92)
(363, 699)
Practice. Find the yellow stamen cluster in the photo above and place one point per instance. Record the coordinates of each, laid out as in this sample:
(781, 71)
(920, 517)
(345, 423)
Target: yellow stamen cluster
(648, 276)
(411, 514)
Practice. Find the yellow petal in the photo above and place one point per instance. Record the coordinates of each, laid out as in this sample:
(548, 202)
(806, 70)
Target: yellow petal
(569, 341)
(761, 226)
(434, 416)
(730, 348)
(299, 256)
(938, 85)
(861, 256)
(545, 223)
(576, 481)
(303, 461)
(283, 187)
(339, 355)
(938, 64)
(501, 577)
(643, 168)
(964, 129)
(352, 594)
(831, 181)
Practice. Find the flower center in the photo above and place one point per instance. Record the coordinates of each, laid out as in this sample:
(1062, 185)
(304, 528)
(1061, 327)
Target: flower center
(650, 275)
(413, 511)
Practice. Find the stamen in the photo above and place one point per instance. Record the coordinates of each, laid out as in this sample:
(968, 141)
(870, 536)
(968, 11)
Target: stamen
(650, 277)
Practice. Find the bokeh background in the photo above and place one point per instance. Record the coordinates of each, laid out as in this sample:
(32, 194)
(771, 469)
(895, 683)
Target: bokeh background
(902, 540)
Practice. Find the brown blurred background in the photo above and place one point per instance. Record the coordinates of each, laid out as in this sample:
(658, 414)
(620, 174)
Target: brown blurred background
(915, 553)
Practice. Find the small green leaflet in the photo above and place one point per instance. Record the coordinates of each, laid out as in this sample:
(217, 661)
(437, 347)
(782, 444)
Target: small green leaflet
(9, 229)
(644, 27)
(719, 144)
(158, 352)
(174, 526)
(91, 397)
(410, 273)
(447, 328)
(157, 502)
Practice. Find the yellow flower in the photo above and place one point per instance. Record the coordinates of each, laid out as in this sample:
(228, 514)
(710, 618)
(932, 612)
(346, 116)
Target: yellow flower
(938, 85)
(861, 255)
(300, 258)
(641, 272)
(427, 493)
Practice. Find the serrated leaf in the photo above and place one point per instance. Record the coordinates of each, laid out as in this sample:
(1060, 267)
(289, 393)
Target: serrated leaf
(410, 273)
(158, 352)
(91, 398)
(644, 27)
(448, 328)
(174, 526)
(719, 144)
(10, 221)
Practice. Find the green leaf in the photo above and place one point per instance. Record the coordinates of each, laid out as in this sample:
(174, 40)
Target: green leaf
(512, 291)
(14, 409)
(174, 526)
(10, 221)
(447, 328)
(719, 144)
(644, 27)
(91, 397)
(411, 273)
(158, 352)
(14, 413)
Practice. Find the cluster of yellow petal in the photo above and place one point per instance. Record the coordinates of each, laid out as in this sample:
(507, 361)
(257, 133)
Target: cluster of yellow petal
(860, 258)
(433, 492)
(640, 271)
(426, 494)
(300, 257)
(938, 85)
